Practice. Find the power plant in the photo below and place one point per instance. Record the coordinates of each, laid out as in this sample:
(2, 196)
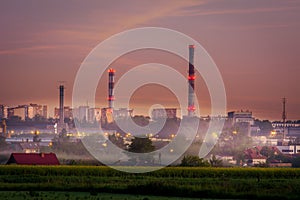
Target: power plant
(111, 77)
(191, 85)
(191, 82)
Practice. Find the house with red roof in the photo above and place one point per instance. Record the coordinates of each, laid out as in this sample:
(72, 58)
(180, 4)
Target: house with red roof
(33, 159)
(253, 157)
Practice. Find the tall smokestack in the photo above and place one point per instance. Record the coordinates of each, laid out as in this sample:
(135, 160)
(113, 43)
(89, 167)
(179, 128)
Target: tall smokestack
(191, 82)
(61, 104)
(111, 77)
(284, 116)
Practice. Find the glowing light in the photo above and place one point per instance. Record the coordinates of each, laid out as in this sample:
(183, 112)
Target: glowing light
(191, 77)
(234, 132)
(215, 135)
(191, 108)
(192, 46)
(111, 98)
(273, 133)
(171, 150)
(104, 145)
(111, 70)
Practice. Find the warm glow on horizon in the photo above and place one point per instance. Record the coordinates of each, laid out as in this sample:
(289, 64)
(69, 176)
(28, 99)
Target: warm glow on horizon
(255, 44)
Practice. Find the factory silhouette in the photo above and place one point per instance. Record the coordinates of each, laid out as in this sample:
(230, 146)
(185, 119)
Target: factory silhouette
(109, 114)
(28, 126)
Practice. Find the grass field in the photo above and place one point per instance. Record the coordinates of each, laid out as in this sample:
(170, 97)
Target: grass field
(234, 183)
(50, 195)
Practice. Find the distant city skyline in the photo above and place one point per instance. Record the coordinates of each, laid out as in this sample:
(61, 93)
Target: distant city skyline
(255, 44)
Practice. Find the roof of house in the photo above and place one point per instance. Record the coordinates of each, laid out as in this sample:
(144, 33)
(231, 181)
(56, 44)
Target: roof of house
(271, 148)
(253, 154)
(33, 159)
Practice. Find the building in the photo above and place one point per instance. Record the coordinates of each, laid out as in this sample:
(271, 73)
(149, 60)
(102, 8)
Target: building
(280, 124)
(293, 132)
(68, 112)
(81, 113)
(3, 128)
(28, 111)
(227, 159)
(106, 116)
(97, 113)
(45, 111)
(109, 115)
(122, 113)
(86, 114)
(3, 111)
(30, 147)
(33, 159)
(10, 112)
(276, 163)
(20, 111)
(253, 157)
(94, 114)
(36, 110)
(289, 149)
(168, 113)
(241, 117)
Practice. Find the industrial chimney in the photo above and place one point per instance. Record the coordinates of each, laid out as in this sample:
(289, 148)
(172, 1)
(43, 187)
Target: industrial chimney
(191, 82)
(111, 76)
(61, 104)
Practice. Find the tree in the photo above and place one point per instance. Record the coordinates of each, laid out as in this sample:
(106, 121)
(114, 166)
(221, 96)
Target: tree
(215, 162)
(193, 161)
(141, 145)
(3, 143)
(63, 133)
(36, 137)
(117, 141)
(295, 141)
(264, 125)
(296, 162)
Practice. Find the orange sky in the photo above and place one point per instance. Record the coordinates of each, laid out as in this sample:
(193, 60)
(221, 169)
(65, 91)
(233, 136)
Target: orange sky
(255, 44)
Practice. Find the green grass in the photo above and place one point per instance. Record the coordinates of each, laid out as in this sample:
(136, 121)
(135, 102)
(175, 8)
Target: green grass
(247, 183)
(42, 195)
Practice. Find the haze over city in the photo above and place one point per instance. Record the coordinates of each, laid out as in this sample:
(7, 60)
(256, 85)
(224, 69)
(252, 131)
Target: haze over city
(255, 45)
(140, 99)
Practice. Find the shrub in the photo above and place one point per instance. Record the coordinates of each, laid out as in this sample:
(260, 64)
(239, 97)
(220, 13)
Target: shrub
(193, 161)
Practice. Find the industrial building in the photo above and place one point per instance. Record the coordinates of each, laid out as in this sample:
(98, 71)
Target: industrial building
(3, 111)
(168, 113)
(68, 112)
(28, 111)
(241, 117)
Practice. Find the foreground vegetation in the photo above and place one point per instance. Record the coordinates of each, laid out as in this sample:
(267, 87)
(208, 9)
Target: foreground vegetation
(46, 195)
(258, 183)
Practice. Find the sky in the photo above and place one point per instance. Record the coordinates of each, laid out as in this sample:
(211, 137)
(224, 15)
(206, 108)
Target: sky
(255, 44)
